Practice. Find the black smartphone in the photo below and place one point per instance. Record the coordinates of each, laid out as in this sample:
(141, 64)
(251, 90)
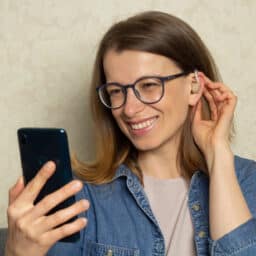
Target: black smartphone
(39, 145)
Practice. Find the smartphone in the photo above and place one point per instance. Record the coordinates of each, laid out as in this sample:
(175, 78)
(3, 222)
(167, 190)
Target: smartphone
(39, 145)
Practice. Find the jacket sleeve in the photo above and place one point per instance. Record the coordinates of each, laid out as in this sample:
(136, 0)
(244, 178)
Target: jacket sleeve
(242, 240)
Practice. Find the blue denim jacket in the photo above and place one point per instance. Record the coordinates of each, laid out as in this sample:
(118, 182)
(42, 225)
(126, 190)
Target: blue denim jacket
(121, 222)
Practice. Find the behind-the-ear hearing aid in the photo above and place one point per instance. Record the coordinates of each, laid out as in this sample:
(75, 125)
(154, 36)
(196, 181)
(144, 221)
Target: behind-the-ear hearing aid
(196, 86)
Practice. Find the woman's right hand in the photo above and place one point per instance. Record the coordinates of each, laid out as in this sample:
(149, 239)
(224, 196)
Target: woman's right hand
(30, 231)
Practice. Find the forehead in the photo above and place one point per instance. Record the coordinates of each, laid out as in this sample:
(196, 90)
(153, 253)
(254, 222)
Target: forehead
(128, 65)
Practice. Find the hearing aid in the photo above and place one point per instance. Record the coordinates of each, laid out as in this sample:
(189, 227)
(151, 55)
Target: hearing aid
(196, 86)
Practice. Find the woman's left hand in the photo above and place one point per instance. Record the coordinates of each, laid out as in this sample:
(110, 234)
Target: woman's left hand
(210, 134)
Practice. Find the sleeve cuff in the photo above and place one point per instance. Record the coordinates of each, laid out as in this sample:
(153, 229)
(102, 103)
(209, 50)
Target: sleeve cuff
(240, 239)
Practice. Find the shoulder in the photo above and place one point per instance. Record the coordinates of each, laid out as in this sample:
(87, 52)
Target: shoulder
(110, 189)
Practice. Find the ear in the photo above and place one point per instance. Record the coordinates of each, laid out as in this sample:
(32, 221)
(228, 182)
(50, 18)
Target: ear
(196, 87)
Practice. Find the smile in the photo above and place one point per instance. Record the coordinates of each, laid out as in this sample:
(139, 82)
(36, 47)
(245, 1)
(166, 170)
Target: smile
(143, 125)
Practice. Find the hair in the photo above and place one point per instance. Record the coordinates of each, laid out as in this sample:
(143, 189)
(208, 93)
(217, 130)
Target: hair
(158, 33)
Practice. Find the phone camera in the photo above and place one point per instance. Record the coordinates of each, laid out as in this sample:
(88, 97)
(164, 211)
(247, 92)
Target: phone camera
(24, 139)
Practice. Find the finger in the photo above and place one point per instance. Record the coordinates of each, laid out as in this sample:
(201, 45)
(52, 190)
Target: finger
(53, 199)
(15, 191)
(215, 93)
(217, 86)
(46, 223)
(221, 100)
(226, 110)
(33, 188)
(229, 102)
(212, 105)
(66, 230)
(214, 85)
(226, 95)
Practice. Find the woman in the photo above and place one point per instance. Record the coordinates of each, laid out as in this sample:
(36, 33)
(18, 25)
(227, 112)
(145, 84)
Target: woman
(165, 180)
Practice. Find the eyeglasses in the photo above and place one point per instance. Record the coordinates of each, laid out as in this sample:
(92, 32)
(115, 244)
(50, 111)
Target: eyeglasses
(148, 89)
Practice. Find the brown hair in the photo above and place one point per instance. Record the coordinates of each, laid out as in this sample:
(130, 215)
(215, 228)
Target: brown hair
(158, 33)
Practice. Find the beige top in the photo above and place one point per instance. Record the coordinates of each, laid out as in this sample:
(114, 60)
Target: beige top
(169, 202)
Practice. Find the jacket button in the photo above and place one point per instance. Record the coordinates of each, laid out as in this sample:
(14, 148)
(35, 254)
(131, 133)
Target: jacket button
(201, 234)
(196, 207)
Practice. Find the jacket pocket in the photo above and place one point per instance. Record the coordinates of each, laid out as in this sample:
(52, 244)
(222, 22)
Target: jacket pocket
(98, 249)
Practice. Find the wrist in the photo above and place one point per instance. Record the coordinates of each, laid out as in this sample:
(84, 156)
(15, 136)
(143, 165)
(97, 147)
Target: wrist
(221, 154)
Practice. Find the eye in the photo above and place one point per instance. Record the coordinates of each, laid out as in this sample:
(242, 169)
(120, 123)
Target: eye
(114, 91)
(149, 84)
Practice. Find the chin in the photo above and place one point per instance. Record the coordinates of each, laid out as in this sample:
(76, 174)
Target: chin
(155, 142)
(146, 145)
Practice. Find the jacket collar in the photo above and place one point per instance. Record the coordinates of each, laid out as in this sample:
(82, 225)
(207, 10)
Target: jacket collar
(123, 170)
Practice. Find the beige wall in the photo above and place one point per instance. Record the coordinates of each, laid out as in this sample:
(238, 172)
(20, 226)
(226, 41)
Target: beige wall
(46, 54)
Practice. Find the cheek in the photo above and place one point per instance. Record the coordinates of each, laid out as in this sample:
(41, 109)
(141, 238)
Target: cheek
(176, 107)
(177, 100)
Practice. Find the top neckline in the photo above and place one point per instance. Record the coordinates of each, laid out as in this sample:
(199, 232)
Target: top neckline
(158, 180)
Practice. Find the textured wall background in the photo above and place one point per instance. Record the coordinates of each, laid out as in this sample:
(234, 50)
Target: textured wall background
(47, 49)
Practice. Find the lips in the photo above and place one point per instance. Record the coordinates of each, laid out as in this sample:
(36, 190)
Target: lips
(142, 125)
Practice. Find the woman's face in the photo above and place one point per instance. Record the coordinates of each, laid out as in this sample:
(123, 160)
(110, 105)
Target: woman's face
(149, 126)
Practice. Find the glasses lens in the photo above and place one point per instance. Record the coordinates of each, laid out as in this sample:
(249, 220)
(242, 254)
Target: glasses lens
(149, 90)
(112, 95)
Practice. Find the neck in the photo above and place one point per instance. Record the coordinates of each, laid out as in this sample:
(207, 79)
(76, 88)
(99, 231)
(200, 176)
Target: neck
(161, 162)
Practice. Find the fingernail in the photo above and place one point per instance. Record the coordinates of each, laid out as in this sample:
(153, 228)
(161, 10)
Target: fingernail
(76, 184)
(49, 165)
(20, 180)
(85, 202)
(84, 220)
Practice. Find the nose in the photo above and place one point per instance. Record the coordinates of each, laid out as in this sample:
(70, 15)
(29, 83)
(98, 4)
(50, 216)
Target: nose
(132, 105)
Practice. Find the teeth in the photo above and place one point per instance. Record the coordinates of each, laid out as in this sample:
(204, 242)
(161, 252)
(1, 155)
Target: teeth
(143, 124)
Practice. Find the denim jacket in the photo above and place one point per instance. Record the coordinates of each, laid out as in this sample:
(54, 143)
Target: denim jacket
(121, 222)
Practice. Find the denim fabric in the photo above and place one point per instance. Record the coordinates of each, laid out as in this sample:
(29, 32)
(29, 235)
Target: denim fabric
(121, 223)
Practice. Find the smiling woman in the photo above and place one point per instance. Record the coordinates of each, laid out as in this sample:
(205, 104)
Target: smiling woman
(179, 47)
(165, 180)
